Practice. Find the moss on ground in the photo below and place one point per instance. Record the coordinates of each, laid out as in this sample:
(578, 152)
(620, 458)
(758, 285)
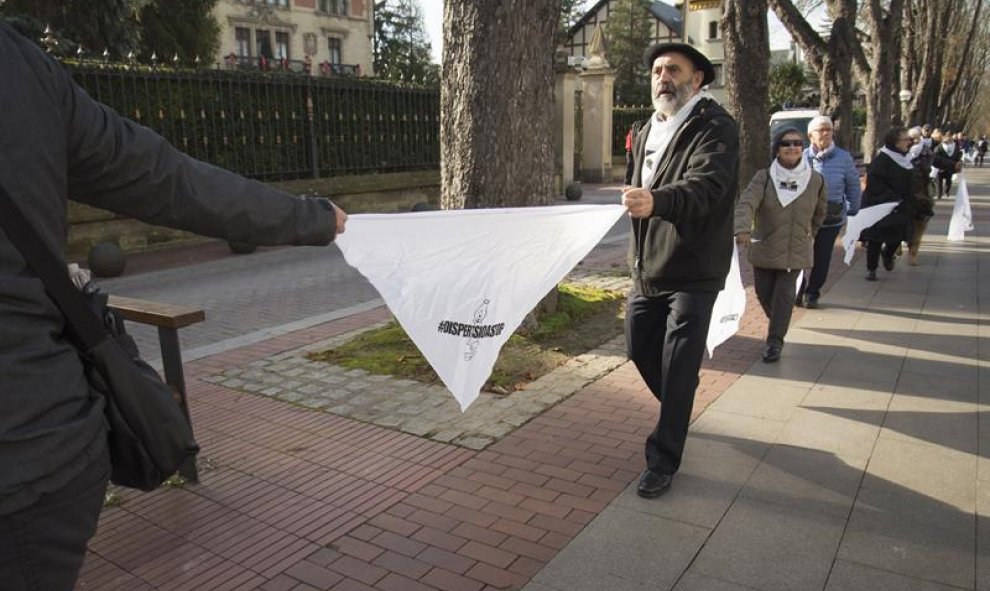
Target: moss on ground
(585, 318)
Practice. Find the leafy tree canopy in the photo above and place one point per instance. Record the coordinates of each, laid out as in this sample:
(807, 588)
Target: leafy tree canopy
(402, 50)
(787, 83)
(166, 27)
(570, 12)
(628, 31)
(187, 29)
(94, 24)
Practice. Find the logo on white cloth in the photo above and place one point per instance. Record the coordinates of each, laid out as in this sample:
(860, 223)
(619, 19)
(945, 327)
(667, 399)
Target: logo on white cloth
(473, 332)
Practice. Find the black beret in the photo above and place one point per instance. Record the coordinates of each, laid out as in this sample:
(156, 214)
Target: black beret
(697, 58)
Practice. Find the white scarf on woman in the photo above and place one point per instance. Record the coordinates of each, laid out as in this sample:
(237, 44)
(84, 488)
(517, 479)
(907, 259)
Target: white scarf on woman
(790, 183)
(902, 160)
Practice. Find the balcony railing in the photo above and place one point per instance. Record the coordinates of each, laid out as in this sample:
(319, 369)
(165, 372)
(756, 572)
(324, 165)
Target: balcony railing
(262, 64)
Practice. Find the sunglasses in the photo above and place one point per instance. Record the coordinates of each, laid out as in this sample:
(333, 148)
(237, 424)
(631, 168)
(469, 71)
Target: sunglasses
(792, 144)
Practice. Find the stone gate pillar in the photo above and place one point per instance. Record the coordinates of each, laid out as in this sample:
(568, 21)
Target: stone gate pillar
(596, 113)
(565, 85)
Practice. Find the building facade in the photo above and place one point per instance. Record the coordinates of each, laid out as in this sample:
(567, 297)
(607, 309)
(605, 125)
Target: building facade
(696, 22)
(334, 36)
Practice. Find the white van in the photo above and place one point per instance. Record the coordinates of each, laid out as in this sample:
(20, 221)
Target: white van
(797, 118)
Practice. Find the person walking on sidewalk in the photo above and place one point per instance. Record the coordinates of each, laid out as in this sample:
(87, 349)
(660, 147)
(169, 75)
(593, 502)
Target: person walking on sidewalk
(844, 193)
(948, 161)
(981, 150)
(684, 185)
(888, 180)
(922, 157)
(777, 217)
(57, 143)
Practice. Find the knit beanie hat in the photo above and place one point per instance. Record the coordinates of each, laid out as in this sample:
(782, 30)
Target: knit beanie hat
(778, 137)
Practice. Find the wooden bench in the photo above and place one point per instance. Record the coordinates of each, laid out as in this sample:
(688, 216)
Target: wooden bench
(169, 319)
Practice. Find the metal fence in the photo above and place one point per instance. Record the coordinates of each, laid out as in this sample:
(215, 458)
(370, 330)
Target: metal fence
(276, 125)
(622, 120)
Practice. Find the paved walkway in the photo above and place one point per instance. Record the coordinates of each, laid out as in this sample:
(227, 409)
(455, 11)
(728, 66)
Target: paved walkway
(860, 461)
(849, 464)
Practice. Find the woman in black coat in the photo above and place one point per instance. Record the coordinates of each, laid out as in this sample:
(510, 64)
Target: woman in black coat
(889, 180)
(948, 161)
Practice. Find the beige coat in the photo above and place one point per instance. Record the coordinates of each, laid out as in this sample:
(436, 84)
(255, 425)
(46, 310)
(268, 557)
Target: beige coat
(782, 237)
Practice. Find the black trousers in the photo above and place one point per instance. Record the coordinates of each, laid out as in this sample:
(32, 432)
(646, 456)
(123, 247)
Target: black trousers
(42, 546)
(944, 184)
(665, 338)
(824, 244)
(776, 290)
(873, 248)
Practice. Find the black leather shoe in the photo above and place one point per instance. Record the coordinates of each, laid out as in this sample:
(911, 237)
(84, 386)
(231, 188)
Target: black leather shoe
(812, 303)
(799, 301)
(888, 263)
(871, 275)
(653, 484)
(772, 353)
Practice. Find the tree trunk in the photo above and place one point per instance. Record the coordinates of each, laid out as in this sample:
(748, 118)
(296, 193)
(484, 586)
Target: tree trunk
(747, 66)
(885, 32)
(496, 103)
(837, 82)
(960, 71)
(831, 61)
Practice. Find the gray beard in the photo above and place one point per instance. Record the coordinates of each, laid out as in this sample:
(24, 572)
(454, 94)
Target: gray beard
(667, 107)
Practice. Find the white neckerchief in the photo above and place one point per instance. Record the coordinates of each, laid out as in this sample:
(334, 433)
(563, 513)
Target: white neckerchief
(790, 183)
(915, 151)
(901, 160)
(661, 134)
(949, 148)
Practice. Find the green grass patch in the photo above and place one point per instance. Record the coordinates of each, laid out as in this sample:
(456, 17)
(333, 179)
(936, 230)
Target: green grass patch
(585, 318)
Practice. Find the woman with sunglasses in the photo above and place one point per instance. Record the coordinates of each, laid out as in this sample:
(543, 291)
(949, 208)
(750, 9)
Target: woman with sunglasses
(776, 220)
(889, 180)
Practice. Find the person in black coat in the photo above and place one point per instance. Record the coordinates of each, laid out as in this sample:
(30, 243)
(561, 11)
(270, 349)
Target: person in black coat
(889, 180)
(948, 161)
(57, 143)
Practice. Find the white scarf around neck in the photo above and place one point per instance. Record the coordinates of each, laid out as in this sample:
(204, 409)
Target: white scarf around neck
(661, 134)
(949, 148)
(915, 151)
(789, 183)
(902, 160)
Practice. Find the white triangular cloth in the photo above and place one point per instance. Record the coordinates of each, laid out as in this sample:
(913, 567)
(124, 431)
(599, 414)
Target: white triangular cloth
(461, 281)
(861, 221)
(962, 215)
(729, 307)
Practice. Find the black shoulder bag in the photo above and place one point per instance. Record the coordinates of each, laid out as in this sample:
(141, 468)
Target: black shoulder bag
(149, 436)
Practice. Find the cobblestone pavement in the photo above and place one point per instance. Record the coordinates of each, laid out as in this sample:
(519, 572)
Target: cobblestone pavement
(416, 408)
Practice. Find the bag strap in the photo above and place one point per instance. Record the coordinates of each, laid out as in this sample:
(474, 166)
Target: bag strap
(52, 272)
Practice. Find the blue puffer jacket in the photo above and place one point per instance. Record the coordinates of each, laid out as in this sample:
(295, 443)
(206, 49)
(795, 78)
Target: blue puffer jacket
(841, 181)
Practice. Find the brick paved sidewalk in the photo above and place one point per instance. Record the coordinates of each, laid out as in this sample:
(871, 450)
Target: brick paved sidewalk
(296, 499)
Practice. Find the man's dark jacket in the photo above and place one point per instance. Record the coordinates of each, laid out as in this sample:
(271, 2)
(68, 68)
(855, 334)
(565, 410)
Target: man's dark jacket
(945, 163)
(56, 143)
(686, 245)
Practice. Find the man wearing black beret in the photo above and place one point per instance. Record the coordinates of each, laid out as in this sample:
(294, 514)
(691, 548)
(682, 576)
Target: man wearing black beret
(684, 186)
